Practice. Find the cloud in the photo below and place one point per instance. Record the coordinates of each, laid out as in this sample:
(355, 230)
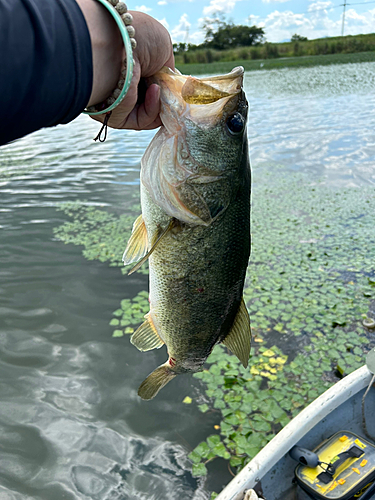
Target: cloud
(143, 8)
(166, 2)
(321, 20)
(164, 22)
(359, 23)
(280, 26)
(224, 6)
(180, 33)
(271, 1)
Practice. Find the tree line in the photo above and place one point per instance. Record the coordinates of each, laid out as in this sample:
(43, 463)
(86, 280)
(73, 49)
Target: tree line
(223, 35)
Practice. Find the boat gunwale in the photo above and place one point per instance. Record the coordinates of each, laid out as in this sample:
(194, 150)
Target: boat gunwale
(294, 431)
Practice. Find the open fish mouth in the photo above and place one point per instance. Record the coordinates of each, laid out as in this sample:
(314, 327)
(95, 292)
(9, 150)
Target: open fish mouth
(209, 90)
(203, 99)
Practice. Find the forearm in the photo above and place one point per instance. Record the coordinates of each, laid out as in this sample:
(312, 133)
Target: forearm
(107, 49)
(45, 65)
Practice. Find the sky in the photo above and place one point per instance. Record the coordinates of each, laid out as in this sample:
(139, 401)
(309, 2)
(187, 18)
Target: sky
(280, 19)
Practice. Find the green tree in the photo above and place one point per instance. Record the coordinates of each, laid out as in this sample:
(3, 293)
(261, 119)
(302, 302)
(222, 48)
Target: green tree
(298, 38)
(221, 35)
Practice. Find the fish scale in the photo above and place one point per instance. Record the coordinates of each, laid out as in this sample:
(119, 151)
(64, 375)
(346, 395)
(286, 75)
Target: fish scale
(195, 226)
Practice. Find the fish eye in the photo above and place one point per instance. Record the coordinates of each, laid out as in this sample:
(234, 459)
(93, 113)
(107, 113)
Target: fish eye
(235, 124)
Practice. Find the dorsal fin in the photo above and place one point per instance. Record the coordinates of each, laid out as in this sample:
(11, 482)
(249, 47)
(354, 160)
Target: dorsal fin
(238, 339)
(138, 242)
(146, 336)
(163, 233)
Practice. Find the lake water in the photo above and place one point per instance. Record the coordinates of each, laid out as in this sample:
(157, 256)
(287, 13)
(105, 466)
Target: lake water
(72, 425)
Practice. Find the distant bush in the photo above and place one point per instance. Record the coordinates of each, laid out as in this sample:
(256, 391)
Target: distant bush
(255, 53)
(270, 51)
(195, 54)
(243, 54)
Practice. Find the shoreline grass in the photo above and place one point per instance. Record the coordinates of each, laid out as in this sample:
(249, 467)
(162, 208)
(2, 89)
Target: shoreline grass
(285, 62)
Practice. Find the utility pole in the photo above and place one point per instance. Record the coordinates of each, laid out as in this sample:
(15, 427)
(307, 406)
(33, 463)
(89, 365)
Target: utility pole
(186, 41)
(343, 19)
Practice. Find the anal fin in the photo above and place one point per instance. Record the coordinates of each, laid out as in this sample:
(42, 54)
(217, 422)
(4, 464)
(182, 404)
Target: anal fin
(155, 381)
(146, 336)
(238, 340)
(138, 242)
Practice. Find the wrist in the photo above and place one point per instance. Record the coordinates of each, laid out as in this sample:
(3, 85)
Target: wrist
(107, 49)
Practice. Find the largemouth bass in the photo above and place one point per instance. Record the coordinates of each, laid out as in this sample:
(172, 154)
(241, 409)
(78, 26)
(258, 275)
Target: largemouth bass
(195, 225)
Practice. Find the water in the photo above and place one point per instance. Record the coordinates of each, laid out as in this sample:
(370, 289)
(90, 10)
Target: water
(72, 425)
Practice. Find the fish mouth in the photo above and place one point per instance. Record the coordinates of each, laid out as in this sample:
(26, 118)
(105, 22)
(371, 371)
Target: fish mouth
(209, 90)
(202, 100)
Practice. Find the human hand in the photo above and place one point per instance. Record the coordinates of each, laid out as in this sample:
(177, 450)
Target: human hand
(154, 50)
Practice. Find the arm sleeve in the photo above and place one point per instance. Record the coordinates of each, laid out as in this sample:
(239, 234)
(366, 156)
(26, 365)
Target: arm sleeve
(46, 70)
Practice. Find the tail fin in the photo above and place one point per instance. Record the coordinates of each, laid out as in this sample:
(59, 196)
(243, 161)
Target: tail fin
(155, 381)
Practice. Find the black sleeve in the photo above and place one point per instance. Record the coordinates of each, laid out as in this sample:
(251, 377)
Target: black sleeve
(45, 65)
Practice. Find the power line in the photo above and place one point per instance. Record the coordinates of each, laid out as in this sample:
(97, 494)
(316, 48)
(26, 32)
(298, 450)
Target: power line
(344, 5)
(335, 7)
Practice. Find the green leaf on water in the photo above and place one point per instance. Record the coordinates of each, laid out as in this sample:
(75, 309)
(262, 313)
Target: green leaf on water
(213, 440)
(202, 449)
(194, 457)
(204, 408)
(118, 333)
(199, 470)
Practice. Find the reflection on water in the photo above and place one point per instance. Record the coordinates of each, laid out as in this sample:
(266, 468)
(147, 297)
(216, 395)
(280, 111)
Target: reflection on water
(72, 426)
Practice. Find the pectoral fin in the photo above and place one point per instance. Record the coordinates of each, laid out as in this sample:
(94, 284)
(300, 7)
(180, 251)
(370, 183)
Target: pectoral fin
(171, 224)
(138, 242)
(239, 338)
(146, 337)
(155, 381)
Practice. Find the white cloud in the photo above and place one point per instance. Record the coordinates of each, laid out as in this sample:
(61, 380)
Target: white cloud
(224, 6)
(143, 8)
(271, 1)
(321, 20)
(164, 22)
(166, 2)
(319, 6)
(359, 23)
(180, 33)
(280, 26)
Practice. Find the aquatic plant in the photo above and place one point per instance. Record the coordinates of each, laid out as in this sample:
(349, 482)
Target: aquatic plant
(102, 235)
(130, 314)
(309, 286)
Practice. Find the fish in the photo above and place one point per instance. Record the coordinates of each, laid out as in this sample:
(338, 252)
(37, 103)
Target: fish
(194, 228)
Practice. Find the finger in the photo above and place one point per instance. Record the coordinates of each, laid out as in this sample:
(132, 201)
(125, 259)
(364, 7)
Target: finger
(149, 110)
(145, 116)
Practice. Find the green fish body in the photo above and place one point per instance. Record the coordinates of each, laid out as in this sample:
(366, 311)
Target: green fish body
(195, 225)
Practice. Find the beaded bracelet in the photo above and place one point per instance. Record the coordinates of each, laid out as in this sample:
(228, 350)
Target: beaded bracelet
(123, 20)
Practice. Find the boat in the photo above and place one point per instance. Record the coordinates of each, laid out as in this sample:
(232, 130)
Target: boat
(347, 407)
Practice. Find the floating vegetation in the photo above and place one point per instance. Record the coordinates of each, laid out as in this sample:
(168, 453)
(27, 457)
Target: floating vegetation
(309, 286)
(309, 289)
(103, 235)
(130, 314)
